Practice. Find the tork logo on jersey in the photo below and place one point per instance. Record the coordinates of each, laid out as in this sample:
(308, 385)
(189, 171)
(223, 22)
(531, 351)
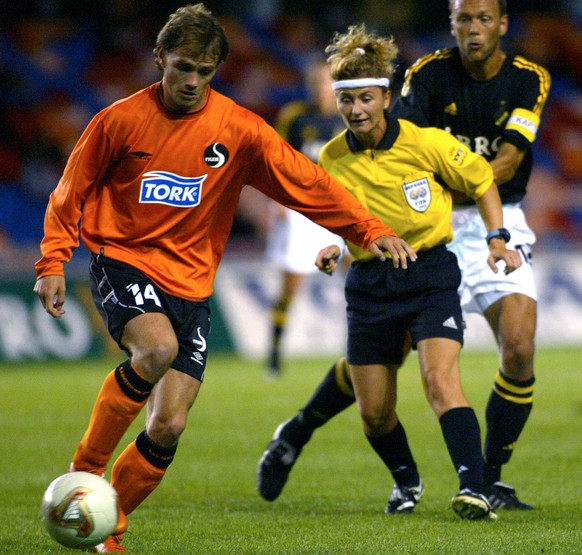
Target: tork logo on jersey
(174, 190)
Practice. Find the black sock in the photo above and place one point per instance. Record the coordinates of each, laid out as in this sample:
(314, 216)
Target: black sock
(132, 384)
(491, 474)
(462, 435)
(508, 409)
(333, 395)
(160, 457)
(395, 453)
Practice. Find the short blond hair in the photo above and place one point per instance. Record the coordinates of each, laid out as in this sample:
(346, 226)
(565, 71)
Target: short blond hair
(359, 53)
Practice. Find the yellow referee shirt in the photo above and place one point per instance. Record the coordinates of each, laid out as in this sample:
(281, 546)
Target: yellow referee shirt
(401, 181)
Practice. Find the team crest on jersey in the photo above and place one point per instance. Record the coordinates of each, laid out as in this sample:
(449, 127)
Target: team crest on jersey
(216, 155)
(168, 188)
(418, 194)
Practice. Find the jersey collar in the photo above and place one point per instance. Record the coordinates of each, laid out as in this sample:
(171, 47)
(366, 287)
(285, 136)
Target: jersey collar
(387, 141)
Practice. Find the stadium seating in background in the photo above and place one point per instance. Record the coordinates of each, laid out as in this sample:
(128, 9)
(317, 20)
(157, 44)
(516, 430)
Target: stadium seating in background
(55, 73)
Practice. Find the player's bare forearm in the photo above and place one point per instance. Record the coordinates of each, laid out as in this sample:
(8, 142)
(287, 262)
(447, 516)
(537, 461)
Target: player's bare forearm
(490, 208)
(506, 162)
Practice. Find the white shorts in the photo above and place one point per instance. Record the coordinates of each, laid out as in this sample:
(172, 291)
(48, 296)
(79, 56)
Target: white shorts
(295, 241)
(480, 286)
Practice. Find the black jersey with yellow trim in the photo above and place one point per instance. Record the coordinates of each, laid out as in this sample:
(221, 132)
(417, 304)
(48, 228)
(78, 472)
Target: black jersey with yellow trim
(306, 129)
(438, 92)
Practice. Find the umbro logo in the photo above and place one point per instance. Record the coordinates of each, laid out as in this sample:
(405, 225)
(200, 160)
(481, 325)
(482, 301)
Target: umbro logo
(450, 323)
(451, 109)
(197, 358)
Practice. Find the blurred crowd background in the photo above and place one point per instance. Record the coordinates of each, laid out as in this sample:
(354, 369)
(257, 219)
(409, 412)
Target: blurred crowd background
(61, 61)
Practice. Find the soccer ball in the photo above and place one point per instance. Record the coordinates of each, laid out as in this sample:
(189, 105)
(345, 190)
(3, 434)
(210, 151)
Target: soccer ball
(80, 509)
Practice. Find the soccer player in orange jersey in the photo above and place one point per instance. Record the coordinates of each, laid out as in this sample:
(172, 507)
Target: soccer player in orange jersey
(151, 188)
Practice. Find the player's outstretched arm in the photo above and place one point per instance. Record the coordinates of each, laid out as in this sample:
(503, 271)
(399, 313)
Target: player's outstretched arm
(400, 252)
(51, 292)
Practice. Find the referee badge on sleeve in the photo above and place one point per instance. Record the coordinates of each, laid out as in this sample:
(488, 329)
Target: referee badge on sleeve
(418, 194)
(456, 155)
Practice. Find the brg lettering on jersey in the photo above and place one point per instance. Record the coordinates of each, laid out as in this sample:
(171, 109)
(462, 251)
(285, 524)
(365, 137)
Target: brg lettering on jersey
(479, 145)
(168, 188)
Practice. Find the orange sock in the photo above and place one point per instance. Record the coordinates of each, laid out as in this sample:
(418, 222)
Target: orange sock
(134, 478)
(112, 414)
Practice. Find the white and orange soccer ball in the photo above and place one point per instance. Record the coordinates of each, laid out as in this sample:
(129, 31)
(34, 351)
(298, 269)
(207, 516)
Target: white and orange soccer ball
(80, 509)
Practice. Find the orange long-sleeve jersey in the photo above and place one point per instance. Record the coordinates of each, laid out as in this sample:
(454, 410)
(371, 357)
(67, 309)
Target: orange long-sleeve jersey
(159, 190)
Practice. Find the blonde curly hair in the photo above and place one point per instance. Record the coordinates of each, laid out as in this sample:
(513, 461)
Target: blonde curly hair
(359, 53)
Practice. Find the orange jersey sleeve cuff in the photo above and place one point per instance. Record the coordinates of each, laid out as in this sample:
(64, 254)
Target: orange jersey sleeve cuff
(49, 267)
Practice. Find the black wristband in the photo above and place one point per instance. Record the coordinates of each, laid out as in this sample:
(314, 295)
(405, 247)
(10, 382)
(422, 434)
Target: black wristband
(500, 233)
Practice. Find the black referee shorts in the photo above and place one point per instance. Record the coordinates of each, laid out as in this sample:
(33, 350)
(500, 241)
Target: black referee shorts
(121, 292)
(384, 302)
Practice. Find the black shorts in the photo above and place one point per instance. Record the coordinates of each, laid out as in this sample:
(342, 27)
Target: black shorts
(121, 292)
(383, 303)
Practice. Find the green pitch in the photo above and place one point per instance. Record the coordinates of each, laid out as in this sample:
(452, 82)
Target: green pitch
(336, 494)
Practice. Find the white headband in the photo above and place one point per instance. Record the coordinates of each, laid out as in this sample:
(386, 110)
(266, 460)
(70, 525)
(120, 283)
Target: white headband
(362, 82)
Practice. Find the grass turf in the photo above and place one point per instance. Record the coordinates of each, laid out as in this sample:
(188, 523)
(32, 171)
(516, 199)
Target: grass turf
(334, 500)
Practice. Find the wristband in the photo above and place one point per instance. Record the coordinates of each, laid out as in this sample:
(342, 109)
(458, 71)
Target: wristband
(500, 233)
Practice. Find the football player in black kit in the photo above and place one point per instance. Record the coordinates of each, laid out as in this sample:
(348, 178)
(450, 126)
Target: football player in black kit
(491, 100)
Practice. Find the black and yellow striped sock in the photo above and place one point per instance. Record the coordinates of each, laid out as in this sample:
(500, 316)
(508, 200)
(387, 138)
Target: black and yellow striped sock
(279, 315)
(508, 409)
